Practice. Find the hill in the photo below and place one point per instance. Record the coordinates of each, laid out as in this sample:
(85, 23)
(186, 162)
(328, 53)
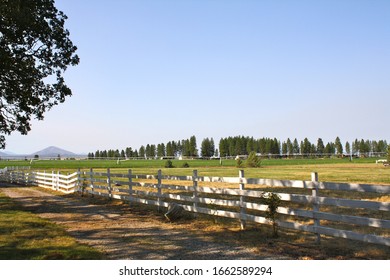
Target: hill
(2, 154)
(53, 151)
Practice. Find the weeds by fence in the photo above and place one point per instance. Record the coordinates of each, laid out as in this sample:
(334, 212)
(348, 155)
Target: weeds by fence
(352, 211)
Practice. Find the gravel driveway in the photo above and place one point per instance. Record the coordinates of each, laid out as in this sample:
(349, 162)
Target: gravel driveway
(124, 233)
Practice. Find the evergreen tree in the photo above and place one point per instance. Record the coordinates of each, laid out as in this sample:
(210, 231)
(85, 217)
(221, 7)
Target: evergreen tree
(193, 146)
(284, 148)
(212, 147)
(129, 152)
(169, 150)
(142, 153)
(253, 160)
(205, 148)
(223, 147)
(306, 147)
(320, 147)
(347, 148)
(290, 149)
(338, 146)
(263, 146)
(161, 150)
(296, 150)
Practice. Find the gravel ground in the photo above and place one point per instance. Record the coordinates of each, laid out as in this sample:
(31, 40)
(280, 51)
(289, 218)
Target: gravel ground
(122, 233)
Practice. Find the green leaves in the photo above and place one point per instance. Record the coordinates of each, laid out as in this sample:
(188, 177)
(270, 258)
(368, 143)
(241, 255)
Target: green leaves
(34, 48)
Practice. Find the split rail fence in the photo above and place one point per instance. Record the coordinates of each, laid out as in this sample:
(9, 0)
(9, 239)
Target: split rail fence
(352, 211)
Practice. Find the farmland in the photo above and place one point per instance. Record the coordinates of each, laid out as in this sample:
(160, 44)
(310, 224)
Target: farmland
(363, 170)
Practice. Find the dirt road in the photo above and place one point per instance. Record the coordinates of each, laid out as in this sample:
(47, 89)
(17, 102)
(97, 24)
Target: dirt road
(122, 232)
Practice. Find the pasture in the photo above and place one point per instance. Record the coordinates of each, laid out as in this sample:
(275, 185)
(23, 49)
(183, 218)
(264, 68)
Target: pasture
(362, 170)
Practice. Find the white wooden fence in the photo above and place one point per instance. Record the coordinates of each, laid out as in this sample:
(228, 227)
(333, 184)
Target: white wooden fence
(53, 180)
(311, 206)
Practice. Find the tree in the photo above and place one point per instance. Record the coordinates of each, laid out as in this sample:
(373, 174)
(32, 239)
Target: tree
(169, 149)
(142, 151)
(35, 51)
(306, 147)
(290, 147)
(223, 147)
(205, 148)
(253, 160)
(161, 150)
(347, 148)
(320, 147)
(296, 147)
(192, 146)
(338, 146)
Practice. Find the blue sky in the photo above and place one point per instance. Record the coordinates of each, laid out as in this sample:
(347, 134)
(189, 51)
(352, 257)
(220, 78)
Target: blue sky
(155, 71)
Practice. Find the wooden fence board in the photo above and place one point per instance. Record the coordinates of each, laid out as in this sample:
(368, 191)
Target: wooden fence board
(227, 197)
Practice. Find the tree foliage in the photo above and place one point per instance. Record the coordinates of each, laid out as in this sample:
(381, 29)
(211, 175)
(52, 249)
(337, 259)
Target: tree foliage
(273, 201)
(264, 148)
(35, 51)
(253, 160)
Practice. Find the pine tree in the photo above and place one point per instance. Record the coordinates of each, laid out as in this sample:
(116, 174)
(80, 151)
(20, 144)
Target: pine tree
(320, 147)
(338, 146)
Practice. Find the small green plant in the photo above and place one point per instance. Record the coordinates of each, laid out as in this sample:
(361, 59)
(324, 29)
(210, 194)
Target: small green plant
(239, 163)
(185, 165)
(169, 164)
(253, 160)
(273, 201)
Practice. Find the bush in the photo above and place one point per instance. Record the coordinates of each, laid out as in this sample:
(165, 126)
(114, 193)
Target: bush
(239, 163)
(253, 160)
(169, 164)
(185, 165)
(273, 201)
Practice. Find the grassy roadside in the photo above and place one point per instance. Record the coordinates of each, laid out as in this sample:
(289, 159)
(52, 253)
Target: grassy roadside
(26, 236)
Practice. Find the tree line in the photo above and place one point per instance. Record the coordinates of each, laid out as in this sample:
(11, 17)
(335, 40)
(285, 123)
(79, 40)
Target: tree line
(240, 145)
(273, 147)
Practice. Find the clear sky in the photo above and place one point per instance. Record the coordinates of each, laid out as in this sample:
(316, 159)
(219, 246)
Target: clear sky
(155, 71)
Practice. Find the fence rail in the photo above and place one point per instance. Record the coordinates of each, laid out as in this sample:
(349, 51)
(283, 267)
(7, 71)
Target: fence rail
(310, 206)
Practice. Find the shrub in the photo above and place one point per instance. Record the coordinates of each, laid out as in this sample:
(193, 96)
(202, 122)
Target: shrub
(185, 165)
(273, 201)
(239, 163)
(169, 164)
(253, 160)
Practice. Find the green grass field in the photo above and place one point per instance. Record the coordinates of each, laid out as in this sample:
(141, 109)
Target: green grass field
(26, 236)
(363, 170)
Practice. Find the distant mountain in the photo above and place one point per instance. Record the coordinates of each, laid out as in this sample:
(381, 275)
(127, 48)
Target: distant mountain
(3, 154)
(54, 152)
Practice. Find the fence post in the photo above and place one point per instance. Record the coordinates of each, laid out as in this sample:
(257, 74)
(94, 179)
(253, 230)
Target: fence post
(78, 180)
(159, 175)
(130, 176)
(242, 199)
(91, 178)
(316, 207)
(109, 183)
(53, 181)
(195, 193)
(58, 181)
